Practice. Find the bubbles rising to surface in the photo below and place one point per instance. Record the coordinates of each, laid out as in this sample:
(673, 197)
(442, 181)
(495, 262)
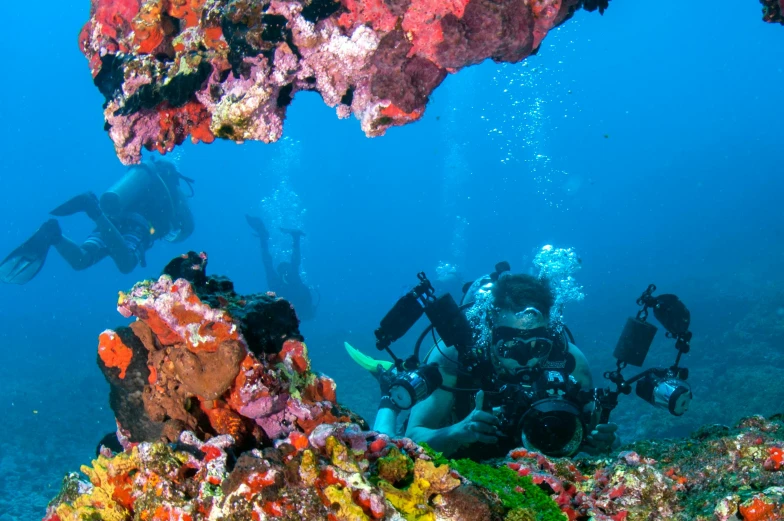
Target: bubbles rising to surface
(559, 265)
(533, 98)
(283, 207)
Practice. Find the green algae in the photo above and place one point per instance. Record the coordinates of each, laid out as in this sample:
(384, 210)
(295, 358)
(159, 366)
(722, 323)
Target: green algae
(504, 482)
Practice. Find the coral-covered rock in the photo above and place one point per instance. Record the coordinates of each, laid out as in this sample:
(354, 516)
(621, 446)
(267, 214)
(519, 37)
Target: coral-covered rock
(185, 364)
(216, 426)
(773, 11)
(206, 69)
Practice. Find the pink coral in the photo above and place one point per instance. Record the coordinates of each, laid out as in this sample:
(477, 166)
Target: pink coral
(170, 69)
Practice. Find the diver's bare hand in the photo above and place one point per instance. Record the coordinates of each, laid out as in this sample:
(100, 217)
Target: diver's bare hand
(479, 426)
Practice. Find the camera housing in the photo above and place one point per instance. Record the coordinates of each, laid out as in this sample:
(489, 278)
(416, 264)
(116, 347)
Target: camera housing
(410, 387)
(547, 415)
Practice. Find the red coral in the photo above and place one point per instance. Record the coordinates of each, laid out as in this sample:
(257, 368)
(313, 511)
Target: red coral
(226, 421)
(113, 352)
(114, 17)
(376, 13)
(759, 508)
(148, 29)
(176, 123)
(775, 460)
(322, 389)
(294, 355)
(188, 11)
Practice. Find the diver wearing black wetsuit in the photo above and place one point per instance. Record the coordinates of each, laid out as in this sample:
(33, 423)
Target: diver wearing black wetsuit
(145, 205)
(286, 282)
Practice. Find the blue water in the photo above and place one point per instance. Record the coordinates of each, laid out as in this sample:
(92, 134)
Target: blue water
(648, 139)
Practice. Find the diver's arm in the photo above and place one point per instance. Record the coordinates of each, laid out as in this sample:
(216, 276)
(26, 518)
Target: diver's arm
(582, 372)
(429, 417)
(430, 420)
(386, 421)
(427, 420)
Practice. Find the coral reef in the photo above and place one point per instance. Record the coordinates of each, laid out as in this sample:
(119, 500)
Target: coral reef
(221, 417)
(773, 11)
(170, 69)
(717, 473)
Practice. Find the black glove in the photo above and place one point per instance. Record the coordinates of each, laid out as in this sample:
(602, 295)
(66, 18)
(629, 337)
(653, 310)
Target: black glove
(385, 379)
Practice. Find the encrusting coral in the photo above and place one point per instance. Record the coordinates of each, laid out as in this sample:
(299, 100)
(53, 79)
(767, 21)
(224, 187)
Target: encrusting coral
(207, 69)
(222, 418)
(773, 11)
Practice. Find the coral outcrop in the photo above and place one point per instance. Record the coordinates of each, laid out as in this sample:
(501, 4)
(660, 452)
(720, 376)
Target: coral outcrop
(222, 418)
(206, 69)
(773, 11)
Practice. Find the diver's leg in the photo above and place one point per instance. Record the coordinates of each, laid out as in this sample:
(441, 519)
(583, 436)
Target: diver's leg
(78, 257)
(273, 281)
(123, 256)
(296, 251)
(296, 247)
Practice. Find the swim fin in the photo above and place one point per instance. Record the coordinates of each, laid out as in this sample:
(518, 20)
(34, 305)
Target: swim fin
(24, 263)
(86, 202)
(365, 362)
(258, 227)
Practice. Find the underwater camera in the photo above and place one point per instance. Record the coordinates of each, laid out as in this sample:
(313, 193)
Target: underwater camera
(543, 406)
(546, 416)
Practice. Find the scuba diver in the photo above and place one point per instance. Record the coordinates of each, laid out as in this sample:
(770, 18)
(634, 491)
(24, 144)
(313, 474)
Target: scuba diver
(462, 426)
(145, 205)
(286, 281)
(473, 413)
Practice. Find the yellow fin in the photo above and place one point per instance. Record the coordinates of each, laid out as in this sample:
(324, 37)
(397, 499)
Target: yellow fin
(364, 361)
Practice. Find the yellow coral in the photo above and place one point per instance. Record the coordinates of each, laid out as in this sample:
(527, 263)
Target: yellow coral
(394, 467)
(338, 454)
(412, 503)
(438, 477)
(520, 514)
(308, 468)
(430, 481)
(347, 510)
(101, 502)
(98, 504)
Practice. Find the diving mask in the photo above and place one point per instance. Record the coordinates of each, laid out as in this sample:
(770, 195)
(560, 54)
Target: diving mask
(522, 345)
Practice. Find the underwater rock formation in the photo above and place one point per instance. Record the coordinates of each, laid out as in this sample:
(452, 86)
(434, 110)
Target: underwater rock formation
(204, 359)
(222, 418)
(170, 69)
(773, 11)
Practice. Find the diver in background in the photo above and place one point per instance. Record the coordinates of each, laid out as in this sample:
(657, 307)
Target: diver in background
(145, 205)
(286, 281)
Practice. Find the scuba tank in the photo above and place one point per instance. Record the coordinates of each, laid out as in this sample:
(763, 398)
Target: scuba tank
(144, 183)
(137, 182)
(470, 289)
